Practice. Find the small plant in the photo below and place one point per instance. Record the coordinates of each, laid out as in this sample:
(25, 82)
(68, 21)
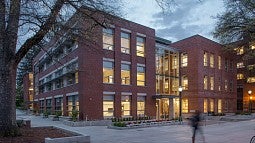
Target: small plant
(58, 113)
(119, 124)
(75, 115)
(46, 114)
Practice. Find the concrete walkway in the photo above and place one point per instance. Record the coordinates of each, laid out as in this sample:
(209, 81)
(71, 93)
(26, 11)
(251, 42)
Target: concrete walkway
(227, 132)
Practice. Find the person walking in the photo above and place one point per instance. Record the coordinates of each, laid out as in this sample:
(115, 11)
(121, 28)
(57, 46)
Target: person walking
(195, 123)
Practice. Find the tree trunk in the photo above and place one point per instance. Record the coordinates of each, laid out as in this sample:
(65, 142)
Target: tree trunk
(8, 126)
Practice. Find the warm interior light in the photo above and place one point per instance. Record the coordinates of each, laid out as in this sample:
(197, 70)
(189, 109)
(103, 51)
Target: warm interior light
(180, 89)
(249, 92)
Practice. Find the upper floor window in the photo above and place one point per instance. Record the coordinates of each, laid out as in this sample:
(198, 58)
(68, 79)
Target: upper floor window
(252, 47)
(205, 59)
(125, 74)
(108, 71)
(231, 86)
(226, 85)
(211, 83)
(184, 60)
(219, 62)
(240, 76)
(125, 42)
(212, 61)
(140, 75)
(140, 46)
(240, 65)
(240, 50)
(108, 39)
(226, 64)
(205, 82)
(251, 79)
(185, 82)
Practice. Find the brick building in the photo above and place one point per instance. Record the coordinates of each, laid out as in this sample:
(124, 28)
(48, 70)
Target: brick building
(207, 76)
(245, 76)
(114, 77)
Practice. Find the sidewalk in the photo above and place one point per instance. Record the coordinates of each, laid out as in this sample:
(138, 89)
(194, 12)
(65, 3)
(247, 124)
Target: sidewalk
(234, 132)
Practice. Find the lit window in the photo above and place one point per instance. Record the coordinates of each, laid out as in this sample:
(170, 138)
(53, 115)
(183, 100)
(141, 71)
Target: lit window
(108, 71)
(205, 83)
(251, 67)
(219, 62)
(205, 106)
(108, 105)
(252, 47)
(140, 105)
(72, 104)
(125, 105)
(240, 65)
(185, 106)
(108, 39)
(240, 76)
(219, 106)
(211, 83)
(76, 77)
(125, 42)
(211, 105)
(185, 82)
(212, 61)
(140, 75)
(250, 79)
(140, 46)
(205, 59)
(219, 87)
(184, 59)
(239, 51)
(125, 74)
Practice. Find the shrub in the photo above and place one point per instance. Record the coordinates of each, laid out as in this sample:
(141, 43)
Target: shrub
(74, 115)
(119, 124)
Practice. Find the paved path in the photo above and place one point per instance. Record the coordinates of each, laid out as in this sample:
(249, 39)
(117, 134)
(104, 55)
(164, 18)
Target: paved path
(227, 132)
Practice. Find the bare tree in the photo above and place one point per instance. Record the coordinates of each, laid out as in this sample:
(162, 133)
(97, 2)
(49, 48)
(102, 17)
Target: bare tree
(31, 21)
(237, 22)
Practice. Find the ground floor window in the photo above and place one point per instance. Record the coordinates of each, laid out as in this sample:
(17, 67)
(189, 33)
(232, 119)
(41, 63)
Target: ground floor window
(41, 106)
(125, 105)
(219, 106)
(72, 104)
(48, 105)
(140, 105)
(108, 105)
(211, 105)
(59, 104)
(185, 106)
(205, 106)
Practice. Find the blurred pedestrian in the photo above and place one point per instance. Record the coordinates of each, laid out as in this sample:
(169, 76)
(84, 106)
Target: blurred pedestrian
(195, 123)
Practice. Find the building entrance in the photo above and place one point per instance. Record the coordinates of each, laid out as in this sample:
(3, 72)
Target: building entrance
(167, 108)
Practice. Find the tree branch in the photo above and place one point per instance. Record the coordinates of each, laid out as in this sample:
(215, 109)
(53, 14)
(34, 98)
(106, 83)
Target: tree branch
(41, 33)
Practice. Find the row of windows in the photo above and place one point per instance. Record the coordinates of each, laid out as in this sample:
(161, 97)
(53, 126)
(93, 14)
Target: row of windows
(108, 42)
(228, 85)
(249, 79)
(209, 61)
(240, 50)
(108, 73)
(108, 105)
(72, 103)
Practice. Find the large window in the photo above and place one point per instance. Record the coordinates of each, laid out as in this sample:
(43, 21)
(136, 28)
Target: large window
(185, 82)
(211, 83)
(205, 59)
(240, 65)
(205, 106)
(108, 37)
(41, 106)
(185, 105)
(108, 106)
(125, 105)
(125, 74)
(140, 46)
(59, 104)
(240, 50)
(140, 105)
(108, 71)
(205, 82)
(184, 60)
(211, 60)
(140, 75)
(212, 105)
(72, 104)
(48, 105)
(219, 62)
(219, 106)
(125, 42)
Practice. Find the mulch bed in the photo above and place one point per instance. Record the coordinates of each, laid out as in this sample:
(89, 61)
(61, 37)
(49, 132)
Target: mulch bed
(36, 135)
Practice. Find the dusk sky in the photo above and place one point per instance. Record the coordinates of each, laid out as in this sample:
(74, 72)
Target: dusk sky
(188, 17)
